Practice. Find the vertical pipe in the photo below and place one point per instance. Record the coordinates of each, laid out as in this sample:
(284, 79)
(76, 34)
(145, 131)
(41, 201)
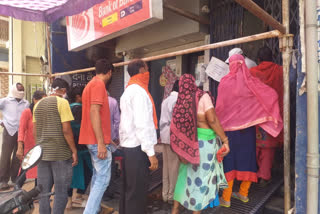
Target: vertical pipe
(286, 106)
(10, 50)
(48, 48)
(312, 108)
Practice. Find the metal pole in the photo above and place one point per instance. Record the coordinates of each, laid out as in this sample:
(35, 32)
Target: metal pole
(312, 107)
(253, 8)
(286, 104)
(10, 50)
(23, 74)
(286, 57)
(266, 35)
(48, 47)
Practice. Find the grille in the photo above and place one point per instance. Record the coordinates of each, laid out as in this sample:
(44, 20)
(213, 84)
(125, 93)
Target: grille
(258, 197)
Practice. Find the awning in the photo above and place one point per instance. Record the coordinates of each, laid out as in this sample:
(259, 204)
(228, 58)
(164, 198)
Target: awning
(44, 10)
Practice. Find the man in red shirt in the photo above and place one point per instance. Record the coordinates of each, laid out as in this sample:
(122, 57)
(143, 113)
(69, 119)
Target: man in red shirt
(95, 132)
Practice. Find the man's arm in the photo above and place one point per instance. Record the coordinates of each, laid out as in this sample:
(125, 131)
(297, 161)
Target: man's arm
(116, 120)
(2, 103)
(145, 128)
(68, 135)
(97, 128)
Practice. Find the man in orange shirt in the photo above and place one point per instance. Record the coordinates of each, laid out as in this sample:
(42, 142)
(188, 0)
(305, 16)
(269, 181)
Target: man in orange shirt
(95, 132)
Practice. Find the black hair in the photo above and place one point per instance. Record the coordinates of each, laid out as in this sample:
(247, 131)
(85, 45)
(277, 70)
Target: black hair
(109, 83)
(61, 83)
(77, 90)
(103, 66)
(265, 54)
(37, 95)
(134, 66)
(176, 86)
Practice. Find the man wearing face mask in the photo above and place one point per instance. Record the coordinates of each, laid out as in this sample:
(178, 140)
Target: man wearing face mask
(52, 130)
(11, 108)
(138, 124)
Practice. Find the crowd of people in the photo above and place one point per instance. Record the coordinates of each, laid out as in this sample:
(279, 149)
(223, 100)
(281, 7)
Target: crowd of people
(206, 145)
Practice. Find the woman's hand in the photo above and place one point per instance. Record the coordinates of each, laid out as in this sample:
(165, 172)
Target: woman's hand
(19, 153)
(226, 150)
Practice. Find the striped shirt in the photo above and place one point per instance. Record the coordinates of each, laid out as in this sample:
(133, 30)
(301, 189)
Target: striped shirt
(49, 114)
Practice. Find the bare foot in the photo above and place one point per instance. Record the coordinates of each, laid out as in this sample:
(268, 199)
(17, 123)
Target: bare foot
(175, 208)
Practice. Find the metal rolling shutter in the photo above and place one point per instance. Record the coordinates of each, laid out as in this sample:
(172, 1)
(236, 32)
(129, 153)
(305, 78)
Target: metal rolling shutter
(116, 87)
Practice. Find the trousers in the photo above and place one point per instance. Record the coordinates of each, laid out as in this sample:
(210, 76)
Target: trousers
(9, 163)
(244, 190)
(59, 174)
(135, 178)
(170, 172)
(264, 160)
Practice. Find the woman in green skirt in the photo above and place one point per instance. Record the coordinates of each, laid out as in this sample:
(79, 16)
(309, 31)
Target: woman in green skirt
(194, 128)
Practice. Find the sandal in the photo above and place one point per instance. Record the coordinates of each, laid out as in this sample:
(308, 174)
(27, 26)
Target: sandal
(78, 200)
(224, 203)
(82, 204)
(240, 197)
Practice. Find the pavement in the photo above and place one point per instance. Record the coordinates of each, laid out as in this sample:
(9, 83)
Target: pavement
(155, 204)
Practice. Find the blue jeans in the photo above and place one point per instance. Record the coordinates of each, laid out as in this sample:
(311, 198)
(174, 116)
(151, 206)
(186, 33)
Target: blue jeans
(100, 179)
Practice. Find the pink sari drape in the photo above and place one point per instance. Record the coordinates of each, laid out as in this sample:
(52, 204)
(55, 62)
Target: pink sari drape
(244, 101)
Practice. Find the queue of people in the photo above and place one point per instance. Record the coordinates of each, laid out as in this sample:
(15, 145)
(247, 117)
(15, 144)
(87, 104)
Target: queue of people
(206, 145)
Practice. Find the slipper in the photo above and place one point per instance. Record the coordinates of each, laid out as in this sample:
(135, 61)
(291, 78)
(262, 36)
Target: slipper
(224, 203)
(264, 183)
(240, 197)
(82, 205)
(77, 200)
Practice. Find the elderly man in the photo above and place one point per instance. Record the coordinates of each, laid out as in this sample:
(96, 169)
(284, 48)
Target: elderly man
(171, 161)
(11, 108)
(138, 124)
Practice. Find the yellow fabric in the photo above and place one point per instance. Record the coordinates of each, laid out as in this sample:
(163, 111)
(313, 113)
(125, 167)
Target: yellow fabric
(64, 110)
(226, 195)
(34, 108)
(244, 188)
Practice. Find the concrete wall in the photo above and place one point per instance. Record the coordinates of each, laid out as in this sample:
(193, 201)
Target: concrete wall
(4, 80)
(29, 44)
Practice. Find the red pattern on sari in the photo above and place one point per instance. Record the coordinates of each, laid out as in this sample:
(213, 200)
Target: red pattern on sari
(171, 78)
(183, 129)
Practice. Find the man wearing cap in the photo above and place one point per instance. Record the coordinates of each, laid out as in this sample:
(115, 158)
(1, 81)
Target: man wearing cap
(249, 62)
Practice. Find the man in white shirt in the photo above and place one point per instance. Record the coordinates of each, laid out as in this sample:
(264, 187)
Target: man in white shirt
(171, 161)
(11, 108)
(138, 137)
(249, 62)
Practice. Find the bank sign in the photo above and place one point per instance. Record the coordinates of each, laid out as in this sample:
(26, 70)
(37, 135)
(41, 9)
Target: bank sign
(110, 19)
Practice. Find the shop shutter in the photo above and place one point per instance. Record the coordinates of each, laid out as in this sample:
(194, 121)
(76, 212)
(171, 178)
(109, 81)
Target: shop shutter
(116, 87)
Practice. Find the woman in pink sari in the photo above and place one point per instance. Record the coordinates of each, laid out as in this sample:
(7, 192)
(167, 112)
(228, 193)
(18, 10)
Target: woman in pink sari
(244, 102)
